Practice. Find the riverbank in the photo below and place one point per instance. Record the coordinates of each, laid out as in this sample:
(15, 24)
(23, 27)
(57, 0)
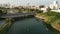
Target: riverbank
(53, 21)
(5, 26)
(49, 27)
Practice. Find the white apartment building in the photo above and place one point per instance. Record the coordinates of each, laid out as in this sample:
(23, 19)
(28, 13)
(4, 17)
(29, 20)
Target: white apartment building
(44, 9)
(54, 5)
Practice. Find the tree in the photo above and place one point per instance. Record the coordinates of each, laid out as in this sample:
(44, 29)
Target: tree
(38, 11)
(42, 6)
(1, 12)
(48, 9)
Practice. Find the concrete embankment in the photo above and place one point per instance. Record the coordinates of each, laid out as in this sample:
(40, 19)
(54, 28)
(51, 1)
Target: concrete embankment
(5, 26)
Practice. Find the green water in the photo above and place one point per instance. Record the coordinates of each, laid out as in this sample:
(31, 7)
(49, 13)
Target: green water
(29, 26)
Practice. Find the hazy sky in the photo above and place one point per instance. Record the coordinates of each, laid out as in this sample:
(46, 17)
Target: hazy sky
(25, 2)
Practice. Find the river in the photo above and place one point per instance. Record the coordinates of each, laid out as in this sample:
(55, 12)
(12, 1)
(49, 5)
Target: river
(29, 26)
(1, 22)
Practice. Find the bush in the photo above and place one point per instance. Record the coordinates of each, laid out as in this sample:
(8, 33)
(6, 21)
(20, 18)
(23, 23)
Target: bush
(52, 14)
(38, 11)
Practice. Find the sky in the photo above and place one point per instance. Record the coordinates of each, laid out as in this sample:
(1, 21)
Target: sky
(28, 2)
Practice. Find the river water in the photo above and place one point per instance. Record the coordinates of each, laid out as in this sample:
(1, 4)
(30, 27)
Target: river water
(1, 22)
(29, 26)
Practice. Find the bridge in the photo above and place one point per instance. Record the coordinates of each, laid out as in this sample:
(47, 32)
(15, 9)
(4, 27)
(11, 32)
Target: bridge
(17, 15)
(8, 8)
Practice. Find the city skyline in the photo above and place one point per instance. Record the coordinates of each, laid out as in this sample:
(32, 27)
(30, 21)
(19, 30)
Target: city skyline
(28, 2)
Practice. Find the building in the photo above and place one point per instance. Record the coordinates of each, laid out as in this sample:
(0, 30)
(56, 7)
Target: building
(44, 9)
(54, 5)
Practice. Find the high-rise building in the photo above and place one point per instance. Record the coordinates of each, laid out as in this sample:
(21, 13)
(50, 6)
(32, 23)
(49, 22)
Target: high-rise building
(55, 2)
(54, 5)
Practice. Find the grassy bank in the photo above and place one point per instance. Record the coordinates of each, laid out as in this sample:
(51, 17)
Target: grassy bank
(52, 18)
(48, 26)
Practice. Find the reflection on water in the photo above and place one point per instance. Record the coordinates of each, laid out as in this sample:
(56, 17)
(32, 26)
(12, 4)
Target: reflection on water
(29, 26)
(1, 22)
